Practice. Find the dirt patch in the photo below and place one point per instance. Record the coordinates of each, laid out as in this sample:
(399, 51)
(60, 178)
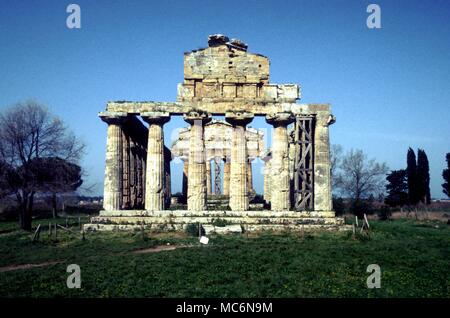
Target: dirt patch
(159, 248)
(27, 266)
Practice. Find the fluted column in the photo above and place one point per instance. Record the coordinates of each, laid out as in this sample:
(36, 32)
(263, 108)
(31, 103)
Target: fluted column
(208, 177)
(322, 166)
(226, 177)
(197, 169)
(249, 177)
(155, 173)
(280, 183)
(112, 195)
(126, 170)
(133, 174)
(141, 176)
(267, 181)
(239, 161)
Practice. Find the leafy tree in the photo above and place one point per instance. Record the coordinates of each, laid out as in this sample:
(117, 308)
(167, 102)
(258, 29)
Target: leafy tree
(359, 178)
(56, 175)
(423, 177)
(411, 171)
(397, 188)
(32, 144)
(446, 176)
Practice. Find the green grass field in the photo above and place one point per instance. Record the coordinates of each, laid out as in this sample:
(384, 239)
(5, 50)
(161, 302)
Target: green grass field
(414, 258)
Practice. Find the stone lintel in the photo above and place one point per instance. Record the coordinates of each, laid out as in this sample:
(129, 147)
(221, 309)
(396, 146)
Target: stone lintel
(217, 107)
(113, 117)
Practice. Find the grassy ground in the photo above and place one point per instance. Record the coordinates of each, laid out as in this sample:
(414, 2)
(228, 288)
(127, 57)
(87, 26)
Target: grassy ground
(414, 258)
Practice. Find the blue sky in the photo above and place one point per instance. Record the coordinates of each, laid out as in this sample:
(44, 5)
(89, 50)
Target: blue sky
(389, 87)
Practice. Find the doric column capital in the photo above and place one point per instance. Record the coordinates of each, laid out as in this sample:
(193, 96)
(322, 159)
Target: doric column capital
(113, 118)
(193, 117)
(159, 118)
(238, 118)
(280, 119)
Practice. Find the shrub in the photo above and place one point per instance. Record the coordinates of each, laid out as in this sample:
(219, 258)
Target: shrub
(360, 207)
(220, 222)
(192, 229)
(384, 213)
(339, 206)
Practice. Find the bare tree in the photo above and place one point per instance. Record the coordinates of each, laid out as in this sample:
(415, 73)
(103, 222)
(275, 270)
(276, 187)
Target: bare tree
(358, 177)
(28, 132)
(335, 159)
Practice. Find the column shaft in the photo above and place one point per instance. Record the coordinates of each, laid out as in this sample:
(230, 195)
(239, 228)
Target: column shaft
(126, 171)
(249, 177)
(280, 187)
(238, 171)
(226, 178)
(155, 183)
(197, 169)
(112, 197)
(208, 177)
(155, 177)
(267, 181)
(280, 197)
(322, 165)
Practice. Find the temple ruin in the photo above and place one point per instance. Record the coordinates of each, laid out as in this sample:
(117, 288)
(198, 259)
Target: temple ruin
(223, 79)
(218, 145)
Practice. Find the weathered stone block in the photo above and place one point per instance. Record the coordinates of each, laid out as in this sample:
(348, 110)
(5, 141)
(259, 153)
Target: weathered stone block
(270, 91)
(288, 91)
(229, 90)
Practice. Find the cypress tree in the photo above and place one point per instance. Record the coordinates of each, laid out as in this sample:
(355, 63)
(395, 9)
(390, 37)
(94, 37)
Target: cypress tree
(446, 176)
(423, 177)
(411, 171)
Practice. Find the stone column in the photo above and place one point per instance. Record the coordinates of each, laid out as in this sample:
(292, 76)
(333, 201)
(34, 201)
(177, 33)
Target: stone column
(250, 177)
(155, 172)
(197, 178)
(133, 175)
(218, 186)
(140, 182)
(208, 177)
(280, 183)
(322, 166)
(226, 177)
(126, 170)
(239, 160)
(267, 174)
(112, 196)
(143, 174)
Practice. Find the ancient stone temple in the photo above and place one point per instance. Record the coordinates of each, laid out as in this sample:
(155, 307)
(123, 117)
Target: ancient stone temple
(223, 79)
(218, 145)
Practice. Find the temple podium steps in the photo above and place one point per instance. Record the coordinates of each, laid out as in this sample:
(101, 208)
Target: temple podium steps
(215, 221)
